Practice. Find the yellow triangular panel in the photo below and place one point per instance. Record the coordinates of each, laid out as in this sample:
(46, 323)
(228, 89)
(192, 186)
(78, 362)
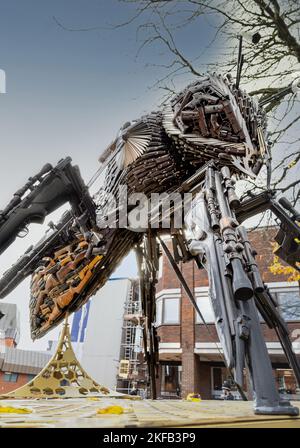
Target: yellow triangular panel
(62, 377)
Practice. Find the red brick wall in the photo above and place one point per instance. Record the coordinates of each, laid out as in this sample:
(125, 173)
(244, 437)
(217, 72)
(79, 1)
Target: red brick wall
(9, 342)
(201, 333)
(6, 386)
(261, 240)
(168, 279)
(169, 333)
(270, 335)
(172, 333)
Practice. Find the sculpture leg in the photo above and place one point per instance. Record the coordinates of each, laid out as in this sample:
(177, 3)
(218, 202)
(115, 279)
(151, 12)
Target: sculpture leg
(236, 316)
(147, 258)
(245, 344)
(267, 399)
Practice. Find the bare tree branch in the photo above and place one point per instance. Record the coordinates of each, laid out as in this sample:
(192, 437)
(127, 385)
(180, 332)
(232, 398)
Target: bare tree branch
(268, 69)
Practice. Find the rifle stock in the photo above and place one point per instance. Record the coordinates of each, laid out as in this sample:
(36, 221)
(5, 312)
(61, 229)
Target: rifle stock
(56, 187)
(27, 263)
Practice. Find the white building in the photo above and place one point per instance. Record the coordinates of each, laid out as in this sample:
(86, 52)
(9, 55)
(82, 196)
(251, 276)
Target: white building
(96, 331)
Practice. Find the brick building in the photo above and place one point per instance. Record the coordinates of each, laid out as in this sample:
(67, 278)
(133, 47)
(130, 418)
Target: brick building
(17, 367)
(190, 358)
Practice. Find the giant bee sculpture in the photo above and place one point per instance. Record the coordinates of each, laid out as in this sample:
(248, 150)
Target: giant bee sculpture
(205, 139)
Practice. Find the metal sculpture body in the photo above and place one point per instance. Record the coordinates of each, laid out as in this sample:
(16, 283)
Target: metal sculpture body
(208, 136)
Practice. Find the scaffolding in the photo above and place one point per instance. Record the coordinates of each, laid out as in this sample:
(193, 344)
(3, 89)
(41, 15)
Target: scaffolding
(131, 369)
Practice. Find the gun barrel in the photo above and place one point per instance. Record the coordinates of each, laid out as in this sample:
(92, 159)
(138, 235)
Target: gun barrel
(233, 199)
(210, 198)
(288, 206)
(17, 197)
(13, 277)
(241, 284)
(62, 184)
(46, 168)
(254, 205)
(257, 282)
(47, 197)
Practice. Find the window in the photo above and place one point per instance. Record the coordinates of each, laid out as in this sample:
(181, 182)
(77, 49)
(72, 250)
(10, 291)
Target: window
(30, 377)
(124, 368)
(171, 380)
(286, 382)
(11, 377)
(281, 383)
(159, 303)
(171, 311)
(167, 310)
(289, 305)
(160, 266)
(217, 378)
(205, 309)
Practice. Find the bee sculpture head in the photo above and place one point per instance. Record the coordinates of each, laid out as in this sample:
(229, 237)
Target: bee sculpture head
(221, 120)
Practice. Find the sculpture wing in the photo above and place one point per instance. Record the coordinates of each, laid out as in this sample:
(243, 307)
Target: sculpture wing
(132, 143)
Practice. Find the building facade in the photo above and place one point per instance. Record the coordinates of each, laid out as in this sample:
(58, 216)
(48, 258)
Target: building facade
(17, 367)
(190, 355)
(105, 339)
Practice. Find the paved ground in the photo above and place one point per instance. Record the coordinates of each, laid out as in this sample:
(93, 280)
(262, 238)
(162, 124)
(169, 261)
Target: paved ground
(143, 413)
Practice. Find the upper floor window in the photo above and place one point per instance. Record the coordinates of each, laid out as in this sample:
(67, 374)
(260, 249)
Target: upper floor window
(171, 311)
(159, 305)
(168, 310)
(11, 377)
(160, 266)
(206, 310)
(289, 304)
